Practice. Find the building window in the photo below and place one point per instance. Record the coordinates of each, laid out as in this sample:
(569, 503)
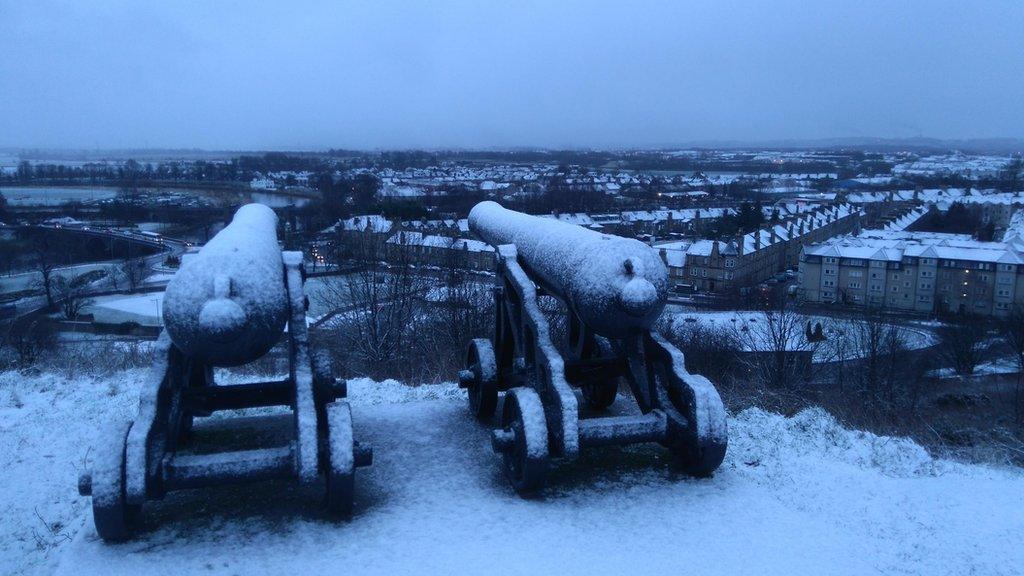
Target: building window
(895, 276)
(829, 271)
(830, 260)
(693, 271)
(1003, 292)
(855, 274)
(1006, 267)
(926, 286)
(945, 288)
(876, 288)
(830, 282)
(854, 285)
(927, 274)
(730, 262)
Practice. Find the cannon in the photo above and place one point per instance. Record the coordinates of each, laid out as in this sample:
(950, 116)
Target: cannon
(227, 305)
(614, 289)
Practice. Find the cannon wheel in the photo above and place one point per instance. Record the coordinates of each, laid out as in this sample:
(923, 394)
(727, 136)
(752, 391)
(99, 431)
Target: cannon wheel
(115, 519)
(340, 459)
(697, 456)
(526, 459)
(483, 388)
(600, 394)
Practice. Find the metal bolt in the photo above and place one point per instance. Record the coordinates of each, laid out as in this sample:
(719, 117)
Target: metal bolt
(340, 388)
(85, 484)
(502, 440)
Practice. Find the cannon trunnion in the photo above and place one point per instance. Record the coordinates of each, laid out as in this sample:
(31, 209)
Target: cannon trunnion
(610, 313)
(228, 305)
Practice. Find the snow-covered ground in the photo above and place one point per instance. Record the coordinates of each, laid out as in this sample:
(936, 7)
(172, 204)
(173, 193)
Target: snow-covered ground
(145, 308)
(794, 496)
(751, 330)
(998, 366)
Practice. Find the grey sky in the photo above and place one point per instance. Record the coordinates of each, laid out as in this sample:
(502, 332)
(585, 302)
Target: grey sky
(246, 75)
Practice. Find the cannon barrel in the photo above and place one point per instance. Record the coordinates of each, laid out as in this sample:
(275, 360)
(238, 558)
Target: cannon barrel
(227, 304)
(617, 286)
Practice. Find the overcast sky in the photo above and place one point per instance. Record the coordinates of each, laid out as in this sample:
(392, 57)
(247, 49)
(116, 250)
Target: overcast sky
(474, 73)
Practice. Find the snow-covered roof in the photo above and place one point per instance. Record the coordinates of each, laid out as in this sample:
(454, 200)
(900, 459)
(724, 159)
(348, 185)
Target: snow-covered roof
(893, 246)
(366, 223)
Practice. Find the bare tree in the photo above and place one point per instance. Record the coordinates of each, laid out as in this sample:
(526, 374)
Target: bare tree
(45, 258)
(1012, 331)
(133, 270)
(374, 307)
(964, 343)
(72, 296)
(780, 353)
(31, 340)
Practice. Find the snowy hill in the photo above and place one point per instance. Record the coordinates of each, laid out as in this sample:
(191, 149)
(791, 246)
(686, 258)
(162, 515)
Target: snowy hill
(794, 496)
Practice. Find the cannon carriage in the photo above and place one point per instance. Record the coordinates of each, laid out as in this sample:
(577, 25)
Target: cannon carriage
(614, 290)
(228, 305)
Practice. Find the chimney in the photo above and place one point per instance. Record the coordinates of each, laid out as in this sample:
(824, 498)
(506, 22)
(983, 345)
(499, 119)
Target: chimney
(757, 239)
(740, 240)
(774, 236)
(664, 256)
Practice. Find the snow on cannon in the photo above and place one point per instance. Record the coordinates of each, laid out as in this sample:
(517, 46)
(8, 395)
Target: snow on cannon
(228, 305)
(614, 289)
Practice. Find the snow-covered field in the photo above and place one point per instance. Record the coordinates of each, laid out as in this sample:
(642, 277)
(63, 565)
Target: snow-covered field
(142, 308)
(794, 496)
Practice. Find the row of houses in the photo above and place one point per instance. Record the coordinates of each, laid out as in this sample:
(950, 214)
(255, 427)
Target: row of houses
(725, 267)
(705, 265)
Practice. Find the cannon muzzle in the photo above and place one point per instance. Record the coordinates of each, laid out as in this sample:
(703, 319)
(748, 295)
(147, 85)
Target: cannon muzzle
(227, 304)
(617, 286)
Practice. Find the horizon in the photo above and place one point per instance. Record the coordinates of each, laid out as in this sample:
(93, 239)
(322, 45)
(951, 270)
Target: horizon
(387, 76)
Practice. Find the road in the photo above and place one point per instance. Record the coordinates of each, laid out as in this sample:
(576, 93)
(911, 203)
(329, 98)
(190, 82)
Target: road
(27, 280)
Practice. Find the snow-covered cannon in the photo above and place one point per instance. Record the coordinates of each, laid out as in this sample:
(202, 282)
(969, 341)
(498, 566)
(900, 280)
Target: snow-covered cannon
(228, 305)
(614, 289)
(615, 285)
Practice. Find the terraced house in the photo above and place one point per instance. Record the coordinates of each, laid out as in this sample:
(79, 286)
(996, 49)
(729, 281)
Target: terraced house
(727, 266)
(915, 271)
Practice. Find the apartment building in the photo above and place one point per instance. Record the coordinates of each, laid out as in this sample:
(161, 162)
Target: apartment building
(916, 272)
